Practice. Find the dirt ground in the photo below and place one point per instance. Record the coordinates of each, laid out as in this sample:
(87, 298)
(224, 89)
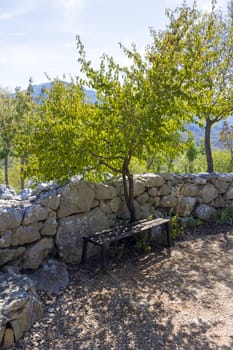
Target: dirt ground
(166, 299)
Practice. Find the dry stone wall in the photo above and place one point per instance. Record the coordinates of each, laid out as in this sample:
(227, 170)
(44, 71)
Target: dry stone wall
(51, 220)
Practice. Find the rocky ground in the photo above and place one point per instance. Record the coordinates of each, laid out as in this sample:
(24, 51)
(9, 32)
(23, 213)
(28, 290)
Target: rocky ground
(177, 299)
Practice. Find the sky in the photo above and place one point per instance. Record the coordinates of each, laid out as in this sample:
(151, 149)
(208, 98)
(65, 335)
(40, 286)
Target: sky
(39, 36)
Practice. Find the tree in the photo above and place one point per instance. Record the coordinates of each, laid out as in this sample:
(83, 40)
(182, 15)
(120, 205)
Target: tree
(25, 108)
(7, 128)
(209, 50)
(135, 114)
(226, 137)
(57, 141)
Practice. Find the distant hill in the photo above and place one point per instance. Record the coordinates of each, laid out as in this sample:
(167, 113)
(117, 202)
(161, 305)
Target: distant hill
(194, 128)
(37, 91)
(215, 132)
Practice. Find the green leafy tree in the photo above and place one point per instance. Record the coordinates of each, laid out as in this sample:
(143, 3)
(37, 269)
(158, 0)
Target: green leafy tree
(226, 137)
(209, 50)
(58, 133)
(129, 119)
(8, 128)
(191, 154)
(25, 108)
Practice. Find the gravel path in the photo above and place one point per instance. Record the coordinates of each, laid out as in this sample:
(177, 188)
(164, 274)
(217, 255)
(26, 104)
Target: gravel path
(164, 300)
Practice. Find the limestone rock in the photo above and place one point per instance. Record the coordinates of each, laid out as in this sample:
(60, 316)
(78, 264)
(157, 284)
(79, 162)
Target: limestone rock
(52, 276)
(123, 212)
(191, 190)
(7, 192)
(71, 229)
(35, 255)
(49, 199)
(142, 211)
(219, 203)
(50, 225)
(154, 201)
(229, 194)
(152, 180)
(165, 190)
(76, 197)
(5, 239)
(103, 191)
(153, 192)
(186, 206)
(139, 187)
(44, 186)
(199, 181)
(25, 234)
(10, 217)
(34, 213)
(19, 307)
(7, 255)
(220, 185)
(143, 198)
(8, 338)
(205, 212)
(115, 204)
(169, 201)
(25, 194)
(105, 207)
(209, 193)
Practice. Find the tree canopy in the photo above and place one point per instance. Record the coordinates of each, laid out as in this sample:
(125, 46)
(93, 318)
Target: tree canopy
(142, 108)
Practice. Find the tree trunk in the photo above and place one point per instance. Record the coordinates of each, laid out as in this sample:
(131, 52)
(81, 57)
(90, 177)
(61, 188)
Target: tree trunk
(208, 151)
(128, 191)
(22, 162)
(6, 161)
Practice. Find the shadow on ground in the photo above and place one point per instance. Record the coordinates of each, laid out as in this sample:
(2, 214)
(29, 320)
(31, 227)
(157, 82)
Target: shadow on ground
(168, 299)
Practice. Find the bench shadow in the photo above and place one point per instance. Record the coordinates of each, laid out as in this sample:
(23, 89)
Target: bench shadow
(136, 302)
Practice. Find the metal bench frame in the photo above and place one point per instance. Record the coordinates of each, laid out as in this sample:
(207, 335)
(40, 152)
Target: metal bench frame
(103, 238)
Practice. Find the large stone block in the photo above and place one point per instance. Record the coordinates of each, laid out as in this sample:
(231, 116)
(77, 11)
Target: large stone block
(7, 255)
(24, 235)
(221, 185)
(153, 192)
(50, 225)
(143, 198)
(191, 190)
(209, 193)
(20, 307)
(76, 197)
(152, 180)
(5, 239)
(10, 217)
(49, 199)
(229, 194)
(71, 229)
(186, 206)
(165, 190)
(34, 213)
(103, 191)
(205, 212)
(169, 201)
(35, 255)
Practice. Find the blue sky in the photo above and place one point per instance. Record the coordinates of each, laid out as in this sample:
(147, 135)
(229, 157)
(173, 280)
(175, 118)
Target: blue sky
(38, 36)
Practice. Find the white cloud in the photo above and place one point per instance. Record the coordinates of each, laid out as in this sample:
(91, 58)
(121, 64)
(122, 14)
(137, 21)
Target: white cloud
(21, 8)
(71, 5)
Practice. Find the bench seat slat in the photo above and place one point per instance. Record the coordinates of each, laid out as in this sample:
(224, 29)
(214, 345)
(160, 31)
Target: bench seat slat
(124, 231)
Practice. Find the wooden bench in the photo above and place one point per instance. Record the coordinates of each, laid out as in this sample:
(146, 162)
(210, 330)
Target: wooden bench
(103, 238)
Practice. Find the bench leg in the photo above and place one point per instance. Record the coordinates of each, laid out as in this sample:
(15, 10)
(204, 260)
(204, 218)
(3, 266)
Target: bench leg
(84, 251)
(103, 256)
(168, 232)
